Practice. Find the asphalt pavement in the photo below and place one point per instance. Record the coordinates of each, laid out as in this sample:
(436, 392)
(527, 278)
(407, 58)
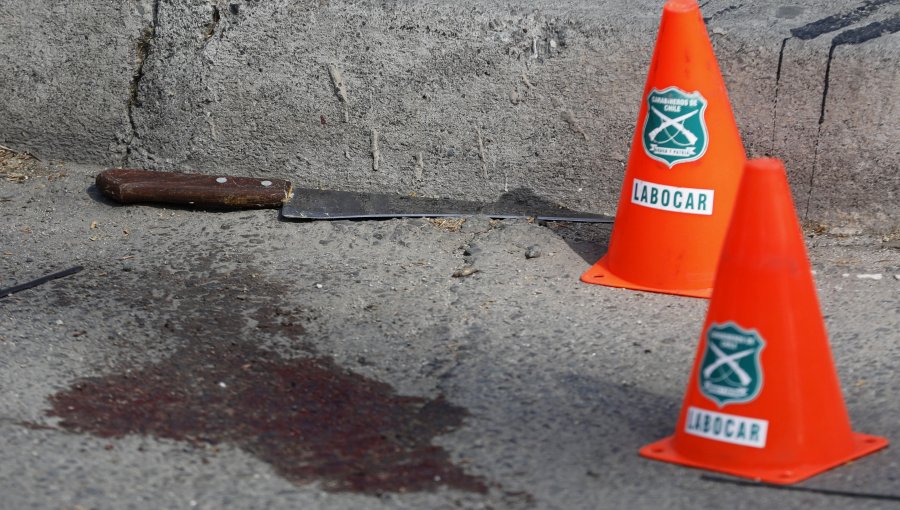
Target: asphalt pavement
(208, 359)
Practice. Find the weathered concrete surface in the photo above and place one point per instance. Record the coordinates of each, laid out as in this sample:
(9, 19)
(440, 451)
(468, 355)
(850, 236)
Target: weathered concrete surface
(562, 381)
(835, 117)
(461, 99)
(65, 70)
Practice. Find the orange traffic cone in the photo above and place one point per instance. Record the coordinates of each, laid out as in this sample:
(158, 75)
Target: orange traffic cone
(763, 400)
(683, 172)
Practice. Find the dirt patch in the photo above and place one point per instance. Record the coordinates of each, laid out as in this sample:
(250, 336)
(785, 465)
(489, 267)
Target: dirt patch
(448, 224)
(21, 166)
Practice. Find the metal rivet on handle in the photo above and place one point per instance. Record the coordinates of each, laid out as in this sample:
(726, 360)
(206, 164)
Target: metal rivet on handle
(221, 180)
(266, 183)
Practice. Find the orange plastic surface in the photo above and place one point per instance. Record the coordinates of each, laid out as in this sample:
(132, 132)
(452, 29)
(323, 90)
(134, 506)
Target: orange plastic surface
(662, 250)
(765, 285)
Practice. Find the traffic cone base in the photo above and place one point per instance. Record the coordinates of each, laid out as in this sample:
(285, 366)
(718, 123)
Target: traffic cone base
(863, 444)
(600, 274)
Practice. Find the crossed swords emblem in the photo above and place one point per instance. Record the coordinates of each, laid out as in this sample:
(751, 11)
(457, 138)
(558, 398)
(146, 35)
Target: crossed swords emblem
(731, 361)
(677, 123)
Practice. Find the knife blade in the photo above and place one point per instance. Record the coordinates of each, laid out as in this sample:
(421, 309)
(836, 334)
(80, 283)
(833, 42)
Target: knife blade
(129, 185)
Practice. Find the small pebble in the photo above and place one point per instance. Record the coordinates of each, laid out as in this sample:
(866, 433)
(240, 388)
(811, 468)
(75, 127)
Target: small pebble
(59, 322)
(318, 285)
(532, 252)
(222, 385)
(897, 276)
(465, 271)
(869, 276)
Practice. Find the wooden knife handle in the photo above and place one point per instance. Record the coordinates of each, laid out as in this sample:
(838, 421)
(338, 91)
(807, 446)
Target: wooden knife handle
(129, 185)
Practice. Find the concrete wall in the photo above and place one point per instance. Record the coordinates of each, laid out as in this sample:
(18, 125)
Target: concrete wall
(465, 98)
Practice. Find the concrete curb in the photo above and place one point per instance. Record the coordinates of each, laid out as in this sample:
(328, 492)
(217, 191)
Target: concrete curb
(465, 99)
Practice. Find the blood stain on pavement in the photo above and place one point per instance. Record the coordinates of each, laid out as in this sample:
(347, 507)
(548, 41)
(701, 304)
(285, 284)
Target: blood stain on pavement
(307, 417)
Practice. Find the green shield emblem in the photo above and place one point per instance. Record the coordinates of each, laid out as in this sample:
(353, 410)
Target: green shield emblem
(730, 371)
(675, 127)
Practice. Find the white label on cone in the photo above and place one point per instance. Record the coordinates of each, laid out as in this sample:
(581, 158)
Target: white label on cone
(671, 198)
(726, 428)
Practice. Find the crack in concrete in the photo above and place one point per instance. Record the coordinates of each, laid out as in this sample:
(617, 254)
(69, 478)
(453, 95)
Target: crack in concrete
(859, 35)
(815, 29)
(811, 31)
(777, 87)
(143, 52)
(827, 82)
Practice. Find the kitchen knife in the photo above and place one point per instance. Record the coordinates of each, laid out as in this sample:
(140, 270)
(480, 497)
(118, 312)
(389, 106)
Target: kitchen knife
(126, 185)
